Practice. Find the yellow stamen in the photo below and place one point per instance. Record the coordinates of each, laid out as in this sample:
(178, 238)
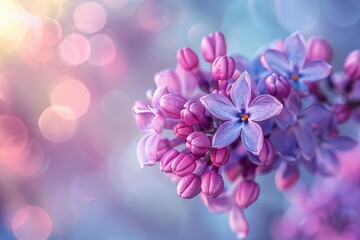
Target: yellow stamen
(295, 77)
(244, 117)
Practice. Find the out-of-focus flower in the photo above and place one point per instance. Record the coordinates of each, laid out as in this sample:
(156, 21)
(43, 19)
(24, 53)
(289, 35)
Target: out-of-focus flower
(292, 66)
(318, 48)
(352, 65)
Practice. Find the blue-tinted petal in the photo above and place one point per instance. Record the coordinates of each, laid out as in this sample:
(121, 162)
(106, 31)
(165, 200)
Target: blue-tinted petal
(219, 106)
(311, 165)
(300, 86)
(295, 50)
(286, 118)
(252, 137)
(326, 162)
(240, 92)
(315, 70)
(278, 62)
(226, 134)
(294, 102)
(264, 107)
(315, 114)
(341, 143)
(283, 141)
(305, 139)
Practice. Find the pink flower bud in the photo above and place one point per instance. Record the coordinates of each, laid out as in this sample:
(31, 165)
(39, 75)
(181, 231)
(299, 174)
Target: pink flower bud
(198, 143)
(223, 68)
(167, 159)
(278, 86)
(342, 112)
(213, 46)
(212, 184)
(318, 48)
(193, 113)
(172, 104)
(286, 176)
(266, 155)
(352, 65)
(183, 164)
(182, 130)
(189, 186)
(220, 156)
(187, 58)
(247, 193)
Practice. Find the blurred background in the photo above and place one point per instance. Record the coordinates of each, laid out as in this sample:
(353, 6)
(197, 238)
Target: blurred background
(70, 71)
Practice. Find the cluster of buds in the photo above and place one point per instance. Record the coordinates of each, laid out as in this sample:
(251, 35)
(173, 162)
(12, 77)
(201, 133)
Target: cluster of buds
(241, 118)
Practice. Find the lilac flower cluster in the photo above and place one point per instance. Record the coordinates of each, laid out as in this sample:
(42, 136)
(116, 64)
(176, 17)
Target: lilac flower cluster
(214, 131)
(324, 211)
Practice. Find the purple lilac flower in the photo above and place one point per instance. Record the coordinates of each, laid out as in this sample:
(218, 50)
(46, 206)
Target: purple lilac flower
(214, 131)
(241, 114)
(291, 63)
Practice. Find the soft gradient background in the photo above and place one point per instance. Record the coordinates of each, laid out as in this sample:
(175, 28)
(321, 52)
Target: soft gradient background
(70, 71)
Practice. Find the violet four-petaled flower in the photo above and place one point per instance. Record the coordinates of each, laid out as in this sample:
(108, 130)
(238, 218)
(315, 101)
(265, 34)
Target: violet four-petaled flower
(292, 65)
(241, 114)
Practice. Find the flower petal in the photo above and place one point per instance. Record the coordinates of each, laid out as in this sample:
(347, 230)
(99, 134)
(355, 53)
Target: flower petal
(151, 148)
(143, 116)
(283, 140)
(240, 92)
(315, 70)
(341, 143)
(221, 204)
(264, 107)
(286, 118)
(226, 134)
(295, 50)
(278, 62)
(316, 114)
(326, 162)
(311, 166)
(252, 137)
(294, 102)
(306, 140)
(219, 106)
(159, 92)
(141, 152)
(238, 222)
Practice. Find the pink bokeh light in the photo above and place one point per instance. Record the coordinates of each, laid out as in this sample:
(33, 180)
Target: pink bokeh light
(30, 223)
(57, 123)
(103, 50)
(13, 136)
(74, 49)
(73, 94)
(89, 17)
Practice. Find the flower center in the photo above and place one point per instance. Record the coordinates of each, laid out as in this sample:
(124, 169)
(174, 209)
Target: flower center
(244, 117)
(294, 77)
